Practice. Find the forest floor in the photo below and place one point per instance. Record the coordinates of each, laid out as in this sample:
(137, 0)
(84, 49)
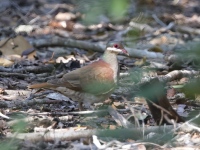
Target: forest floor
(155, 106)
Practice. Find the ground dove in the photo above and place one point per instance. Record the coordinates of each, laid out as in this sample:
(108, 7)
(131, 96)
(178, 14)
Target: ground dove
(92, 83)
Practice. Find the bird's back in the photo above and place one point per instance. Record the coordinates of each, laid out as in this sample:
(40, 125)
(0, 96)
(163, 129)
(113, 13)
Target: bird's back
(96, 78)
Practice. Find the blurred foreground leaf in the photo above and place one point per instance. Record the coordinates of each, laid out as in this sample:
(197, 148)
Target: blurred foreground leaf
(103, 11)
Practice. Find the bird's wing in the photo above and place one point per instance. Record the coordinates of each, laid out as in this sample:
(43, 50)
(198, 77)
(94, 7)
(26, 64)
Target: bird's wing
(70, 80)
(96, 78)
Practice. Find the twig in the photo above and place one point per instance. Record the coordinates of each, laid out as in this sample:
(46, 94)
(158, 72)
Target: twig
(132, 111)
(159, 107)
(119, 119)
(6, 41)
(19, 12)
(71, 113)
(32, 96)
(34, 69)
(141, 26)
(158, 20)
(69, 43)
(20, 104)
(4, 116)
(13, 74)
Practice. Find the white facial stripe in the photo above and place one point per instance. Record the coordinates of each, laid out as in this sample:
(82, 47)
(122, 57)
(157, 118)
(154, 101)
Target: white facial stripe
(113, 49)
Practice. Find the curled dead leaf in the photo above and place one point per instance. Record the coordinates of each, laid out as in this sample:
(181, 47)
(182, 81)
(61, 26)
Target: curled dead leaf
(9, 60)
(13, 58)
(67, 25)
(5, 62)
(65, 60)
(65, 16)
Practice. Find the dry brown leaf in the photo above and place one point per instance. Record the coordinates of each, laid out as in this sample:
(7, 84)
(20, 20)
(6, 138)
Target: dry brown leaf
(5, 62)
(156, 49)
(8, 60)
(16, 94)
(67, 25)
(140, 100)
(183, 80)
(141, 147)
(118, 104)
(130, 140)
(158, 41)
(65, 16)
(78, 128)
(197, 98)
(13, 57)
(30, 53)
(105, 126)
(171, 92)
(14, 45)
(140, 62)
(3, 124)
(112, 127)
(2, 91)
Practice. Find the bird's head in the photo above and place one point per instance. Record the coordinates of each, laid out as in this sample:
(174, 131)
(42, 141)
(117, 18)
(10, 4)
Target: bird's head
(117, 48)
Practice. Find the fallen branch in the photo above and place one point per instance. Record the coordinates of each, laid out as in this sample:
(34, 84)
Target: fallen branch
(171, 76)
(69, 43)
(189, 30)
(91, 47)
(66, 134)
(88, 112)
(178, 74)
(34, 69)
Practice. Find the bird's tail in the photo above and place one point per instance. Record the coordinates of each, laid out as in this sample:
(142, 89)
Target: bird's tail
(40, 85)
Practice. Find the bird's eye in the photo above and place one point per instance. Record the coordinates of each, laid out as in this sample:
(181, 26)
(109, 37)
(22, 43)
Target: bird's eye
(116, 45)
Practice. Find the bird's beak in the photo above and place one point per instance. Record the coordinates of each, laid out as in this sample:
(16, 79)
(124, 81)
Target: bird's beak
(125, 52)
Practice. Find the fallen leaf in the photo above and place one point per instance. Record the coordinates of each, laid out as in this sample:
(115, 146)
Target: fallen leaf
(31, 53)
(183, 80)
(140, 62)
(14, 46)
(5, 62)
(65, 16)
(67, 25)
(26, 28)
(156, 49)
(171, 92)
(9, 60)
(112, 127)
(197, 97)
(65, 60)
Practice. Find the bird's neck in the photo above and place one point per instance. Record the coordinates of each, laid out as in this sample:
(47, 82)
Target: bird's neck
(111, 59)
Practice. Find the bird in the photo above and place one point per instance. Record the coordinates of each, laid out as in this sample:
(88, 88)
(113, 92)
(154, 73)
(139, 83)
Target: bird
(92, 83)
